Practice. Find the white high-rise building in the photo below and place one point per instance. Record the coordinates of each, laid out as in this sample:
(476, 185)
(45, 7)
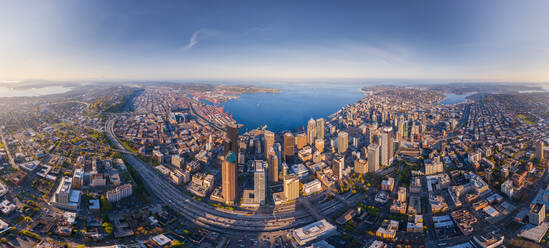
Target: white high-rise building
(311, 131)
(342, 142)
(320, 128)
(119, 193)
(373, 157)
(259, 182)
(387, 146)
(63, 192)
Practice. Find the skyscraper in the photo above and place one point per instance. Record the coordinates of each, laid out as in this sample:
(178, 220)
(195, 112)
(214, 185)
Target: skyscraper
(259, 182)
(373, 157)
(311, 131)
(401, 194)
(273, 166)
(405, 129)
(289, 147)
(319, 144)
(372, 133)
(230, 142)
(387, 146)
(338, 165)
(269, 142)
(301, 140)
(400, 130)
(257, 145)
(320, 123)
(291, 187)
(229, 178)
(361, 166)
(539, 150)
(342, 142)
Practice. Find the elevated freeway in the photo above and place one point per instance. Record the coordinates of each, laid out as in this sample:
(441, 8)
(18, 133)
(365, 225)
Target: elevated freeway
(212, 218)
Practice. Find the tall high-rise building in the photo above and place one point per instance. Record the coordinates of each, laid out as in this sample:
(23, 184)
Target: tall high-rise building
(269, 142)
(241, 157)
(257, 145)
(63, 191)
(283, 170)
(273, 166)
(400, 130)
(320, 123)
(230, 142)
(78, 178)
(373, 157)
(319, 144)
(301, 140)
(372, 134)
(361, 166)
(311, 131)
(229, 178)
(387, 146)
(405, 129)
(289, 147)
(539, 150)
(291, 187)
(401, 194)
(342, 142)
(278, 149)
(338, 165)
(259, 182)
(119, 193)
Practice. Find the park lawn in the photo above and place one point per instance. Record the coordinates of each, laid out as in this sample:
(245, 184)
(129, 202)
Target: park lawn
(128, 146)
(526, 119)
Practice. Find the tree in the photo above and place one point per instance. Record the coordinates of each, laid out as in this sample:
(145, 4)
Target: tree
(105, 204)
(108, 227)
(176, 244)
(27, 219)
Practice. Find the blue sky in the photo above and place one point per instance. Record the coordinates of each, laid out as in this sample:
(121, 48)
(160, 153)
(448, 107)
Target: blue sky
(266, 41)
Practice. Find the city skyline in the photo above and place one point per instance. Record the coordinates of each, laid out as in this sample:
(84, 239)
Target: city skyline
(470, 41)
(331, 124)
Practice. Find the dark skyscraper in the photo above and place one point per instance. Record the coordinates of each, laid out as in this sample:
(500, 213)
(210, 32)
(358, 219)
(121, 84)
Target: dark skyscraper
(230, 142)
(273, 166)
(338, 165)
(289, 147)
(228, 164)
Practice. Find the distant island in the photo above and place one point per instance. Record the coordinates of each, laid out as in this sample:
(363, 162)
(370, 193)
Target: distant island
(491, 88)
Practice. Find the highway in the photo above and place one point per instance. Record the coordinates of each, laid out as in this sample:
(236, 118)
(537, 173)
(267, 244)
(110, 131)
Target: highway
(209, 217)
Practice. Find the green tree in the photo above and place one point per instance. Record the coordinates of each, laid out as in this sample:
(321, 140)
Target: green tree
(108, 227)
(105, 204)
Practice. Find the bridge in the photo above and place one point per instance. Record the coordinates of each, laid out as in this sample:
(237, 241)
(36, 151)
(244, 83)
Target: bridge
(124, 151)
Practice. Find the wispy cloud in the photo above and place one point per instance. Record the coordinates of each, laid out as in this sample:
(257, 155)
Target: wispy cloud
(205, 34)
(192, 42)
